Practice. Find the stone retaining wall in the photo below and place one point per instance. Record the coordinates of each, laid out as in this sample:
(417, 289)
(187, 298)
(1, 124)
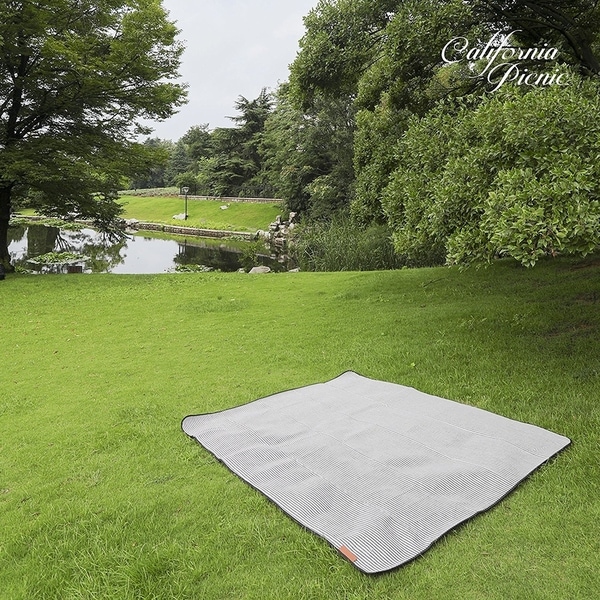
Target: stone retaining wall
(207, 233)
(235, 199)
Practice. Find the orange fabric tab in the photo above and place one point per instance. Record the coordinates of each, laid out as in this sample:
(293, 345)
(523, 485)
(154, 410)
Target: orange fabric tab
(348, 554)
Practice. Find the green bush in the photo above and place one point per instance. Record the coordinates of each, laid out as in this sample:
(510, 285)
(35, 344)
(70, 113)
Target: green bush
(518, 176)
(343, 245)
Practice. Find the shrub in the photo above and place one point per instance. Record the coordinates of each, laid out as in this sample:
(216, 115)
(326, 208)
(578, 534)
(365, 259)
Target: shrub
(342, 245)
(516, 176)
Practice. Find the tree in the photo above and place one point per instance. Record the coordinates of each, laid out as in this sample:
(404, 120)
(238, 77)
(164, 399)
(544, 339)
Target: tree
(228, 169)
(406, 79)
(307, 154)
(381, 58)
(197, 141)
(249, 133)
(386, 57)
(179, 162)
(76, 77)
(232, 159)
(352, 42)
(342, 39)
(185, 156)
(575, 24)
(155, 175)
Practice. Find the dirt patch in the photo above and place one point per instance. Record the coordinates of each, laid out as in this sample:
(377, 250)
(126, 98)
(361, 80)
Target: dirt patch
(587, 298)
(587, 264)
(579, 329)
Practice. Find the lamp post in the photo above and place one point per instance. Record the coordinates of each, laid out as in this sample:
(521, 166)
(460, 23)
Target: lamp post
(185, 190)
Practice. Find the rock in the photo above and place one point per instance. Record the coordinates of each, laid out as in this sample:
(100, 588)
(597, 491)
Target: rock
(261, 269)
(224, 207)
(296, 270)
(241, 270)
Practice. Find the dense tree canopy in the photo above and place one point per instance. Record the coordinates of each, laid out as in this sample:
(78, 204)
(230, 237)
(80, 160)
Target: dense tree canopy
(388, 58)
(225, 161)
(572, 24)
(307, 154)
(76, 77)
(237, 149)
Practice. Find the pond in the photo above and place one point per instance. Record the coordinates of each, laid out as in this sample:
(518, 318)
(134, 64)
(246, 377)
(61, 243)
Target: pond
(136, 254)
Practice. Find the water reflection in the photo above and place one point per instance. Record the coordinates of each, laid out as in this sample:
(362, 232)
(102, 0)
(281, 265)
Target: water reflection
(132, 255)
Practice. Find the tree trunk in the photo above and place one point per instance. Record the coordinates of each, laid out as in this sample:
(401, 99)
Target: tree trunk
(5, 207)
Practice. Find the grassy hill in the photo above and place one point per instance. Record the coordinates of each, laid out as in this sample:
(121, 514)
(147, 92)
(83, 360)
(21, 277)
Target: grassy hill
(206, 214)
(103, 496)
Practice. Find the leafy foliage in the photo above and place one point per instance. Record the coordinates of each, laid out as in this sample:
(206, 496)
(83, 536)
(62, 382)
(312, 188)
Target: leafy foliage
(155, 175)
(407, 78)
(236, 160)
(516, 176)
(225, 161)
(386, 58)
(574, 25)
(341, 40)
(307, 157)
(193, 269)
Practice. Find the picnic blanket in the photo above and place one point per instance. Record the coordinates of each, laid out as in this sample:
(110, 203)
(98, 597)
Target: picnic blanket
(380, 470)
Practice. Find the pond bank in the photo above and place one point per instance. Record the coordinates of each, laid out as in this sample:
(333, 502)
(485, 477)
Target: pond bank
(176, 229)
(140, 252)
(179, 230)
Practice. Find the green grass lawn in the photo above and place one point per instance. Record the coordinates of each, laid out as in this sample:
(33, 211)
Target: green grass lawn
(206, 214)
(103, 496)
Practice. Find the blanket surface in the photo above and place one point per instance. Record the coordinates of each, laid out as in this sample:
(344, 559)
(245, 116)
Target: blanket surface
(378, 469)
